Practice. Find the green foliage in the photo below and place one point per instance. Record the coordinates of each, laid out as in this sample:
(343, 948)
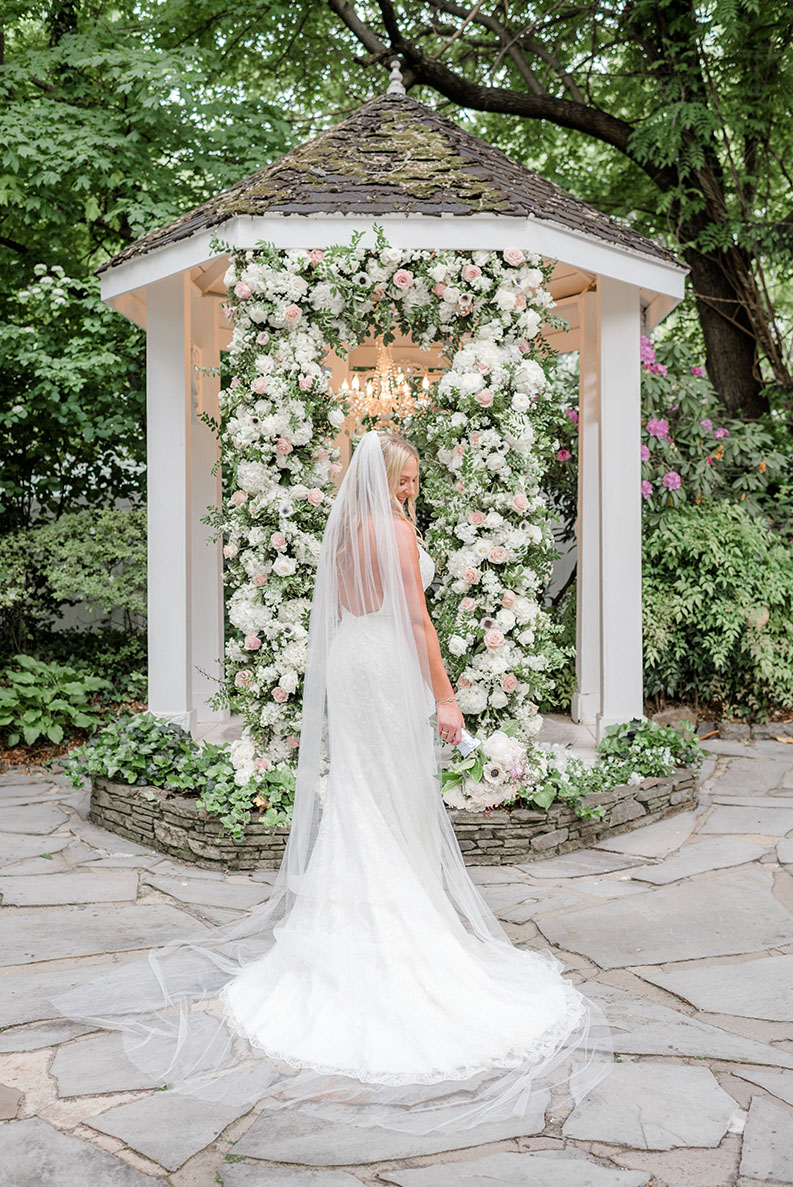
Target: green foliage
(72, 420)
(46, 700)
(651, 747)
(628, 753)
(114, 118)
(718, 609)
(97, 556)
(120, 656)
(144, 750)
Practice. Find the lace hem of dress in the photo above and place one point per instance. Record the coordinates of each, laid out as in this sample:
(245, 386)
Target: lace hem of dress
(540, 1051)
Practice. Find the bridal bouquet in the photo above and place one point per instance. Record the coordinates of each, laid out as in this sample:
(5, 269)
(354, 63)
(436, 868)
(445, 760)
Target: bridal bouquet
(503, 769)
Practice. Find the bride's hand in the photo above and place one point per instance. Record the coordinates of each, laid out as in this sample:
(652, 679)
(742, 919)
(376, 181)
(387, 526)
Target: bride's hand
(450, 722)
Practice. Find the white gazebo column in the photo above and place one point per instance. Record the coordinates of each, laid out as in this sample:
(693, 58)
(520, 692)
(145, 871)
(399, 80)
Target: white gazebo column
(206, 568)
(621, 691)
(586, 699)
(168, 497)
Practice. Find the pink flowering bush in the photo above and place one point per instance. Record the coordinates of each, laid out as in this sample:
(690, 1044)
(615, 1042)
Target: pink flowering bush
(691, 451)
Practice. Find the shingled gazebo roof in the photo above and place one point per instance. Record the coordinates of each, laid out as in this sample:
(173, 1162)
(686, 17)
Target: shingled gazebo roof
(397, 156)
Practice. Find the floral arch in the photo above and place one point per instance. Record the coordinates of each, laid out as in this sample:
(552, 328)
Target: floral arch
(485, 441)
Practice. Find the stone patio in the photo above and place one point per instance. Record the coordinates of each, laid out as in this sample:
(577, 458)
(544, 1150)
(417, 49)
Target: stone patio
(682, 931)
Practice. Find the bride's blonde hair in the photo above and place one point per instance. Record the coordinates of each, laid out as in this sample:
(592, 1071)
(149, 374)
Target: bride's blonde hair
(396, 451)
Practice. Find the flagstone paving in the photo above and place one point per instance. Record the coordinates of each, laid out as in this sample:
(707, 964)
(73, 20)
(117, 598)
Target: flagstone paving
(681, 931)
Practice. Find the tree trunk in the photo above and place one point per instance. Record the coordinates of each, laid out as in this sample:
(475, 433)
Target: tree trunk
(730, 343)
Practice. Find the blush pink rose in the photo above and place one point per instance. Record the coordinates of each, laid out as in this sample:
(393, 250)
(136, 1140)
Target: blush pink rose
(460, 486)
(293, 741)
(243, 679)
(235, 382)
(464, 682)
(262, 338)
(260, 579)
(278, 540)
(315, 255)
(279, 695)
(493, 639)
(520, 502)
(508, 600)
(468, 605)
(524, 346)
(320, 454)
(514, 256)
(403, 279)
(484, 398)
(509, 682)
(259, 384)
(283, 446)
(239, 497)
(460, 449)
(335, 468)
(498, 555)
(471, 272)
(252, 643)
(520, 300)
(475, 438)
(315, 496)
(262, 764)
(305, 382)
(292, 314)
(482, 368)
(242, 290)
(477, 518)
(439, 289)
(471, 576)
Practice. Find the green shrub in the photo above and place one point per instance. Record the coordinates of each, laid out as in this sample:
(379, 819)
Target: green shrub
(117, 655)
(718, 609)
(40, 699)
(97, 556)
(142, 749)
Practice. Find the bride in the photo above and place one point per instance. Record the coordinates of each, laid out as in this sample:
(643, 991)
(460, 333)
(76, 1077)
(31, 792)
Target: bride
(375, 986)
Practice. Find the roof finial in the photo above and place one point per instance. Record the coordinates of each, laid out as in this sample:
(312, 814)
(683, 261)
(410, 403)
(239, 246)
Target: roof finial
(395, 84)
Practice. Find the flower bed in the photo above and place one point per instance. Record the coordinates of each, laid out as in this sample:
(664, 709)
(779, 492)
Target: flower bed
(182, 827)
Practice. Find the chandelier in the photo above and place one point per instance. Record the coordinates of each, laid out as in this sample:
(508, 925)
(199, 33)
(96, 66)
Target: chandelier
(387, 394)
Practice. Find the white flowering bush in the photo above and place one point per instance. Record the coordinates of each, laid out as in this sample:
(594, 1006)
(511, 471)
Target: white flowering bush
(484, 446)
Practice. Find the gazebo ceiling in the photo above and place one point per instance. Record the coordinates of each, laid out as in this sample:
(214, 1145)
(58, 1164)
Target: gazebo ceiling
(397, 156)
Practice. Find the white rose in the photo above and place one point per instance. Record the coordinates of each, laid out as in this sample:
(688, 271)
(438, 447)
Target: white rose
(336, 417)
(530, 321)
(472, 382)
(498, 698)
(451, 295)
(495, 461)
(458, 420)
(284, 566)
(438, 272)
(521, 402)
(457, 645)
(524, 609)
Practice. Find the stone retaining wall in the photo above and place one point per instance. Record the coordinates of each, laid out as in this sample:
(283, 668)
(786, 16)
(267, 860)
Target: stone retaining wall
(181, 827)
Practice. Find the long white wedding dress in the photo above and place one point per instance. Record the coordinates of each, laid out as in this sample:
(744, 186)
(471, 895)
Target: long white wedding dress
(376, 986)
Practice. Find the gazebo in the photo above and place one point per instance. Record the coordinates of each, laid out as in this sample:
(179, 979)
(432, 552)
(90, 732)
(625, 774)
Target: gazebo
(398, 164)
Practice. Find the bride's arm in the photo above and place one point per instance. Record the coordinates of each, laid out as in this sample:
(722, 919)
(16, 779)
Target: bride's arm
(424, 630)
